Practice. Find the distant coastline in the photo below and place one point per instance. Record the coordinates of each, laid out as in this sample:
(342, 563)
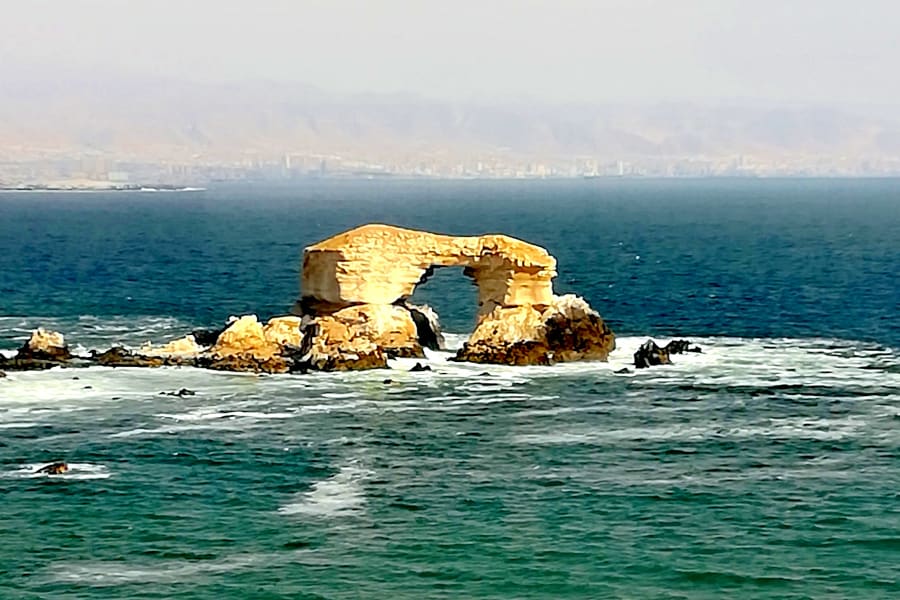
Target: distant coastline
(101, 188)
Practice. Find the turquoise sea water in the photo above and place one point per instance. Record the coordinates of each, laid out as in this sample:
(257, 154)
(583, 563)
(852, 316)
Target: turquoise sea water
(766, 467)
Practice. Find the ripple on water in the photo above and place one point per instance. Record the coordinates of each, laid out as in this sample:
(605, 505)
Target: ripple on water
(117, 573)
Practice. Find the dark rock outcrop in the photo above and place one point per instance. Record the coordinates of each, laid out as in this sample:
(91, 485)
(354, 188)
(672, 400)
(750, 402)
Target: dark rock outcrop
(180, 393)
(428, 328)
(516, 353)
(207, 337)
(374, 359)
(118, 356)
(56, 468)
(681, 346)
(650, 354)
(28, 364)
(405, 352)
(246, 363)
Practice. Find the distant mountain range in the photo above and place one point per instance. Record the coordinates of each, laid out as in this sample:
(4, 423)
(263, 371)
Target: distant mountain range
(148, 120)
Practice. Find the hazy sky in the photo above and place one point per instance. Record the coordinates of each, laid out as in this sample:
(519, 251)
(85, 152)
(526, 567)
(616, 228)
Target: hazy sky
(786, 51)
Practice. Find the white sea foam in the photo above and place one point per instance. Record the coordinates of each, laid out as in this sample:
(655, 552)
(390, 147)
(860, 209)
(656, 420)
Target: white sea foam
(93, 332)
(162, 430)
(452, 341)
(788, 429)
(19, 425)
(211, 414)
(113, 573)
(798, 369)
(76, 472)
(341, 494)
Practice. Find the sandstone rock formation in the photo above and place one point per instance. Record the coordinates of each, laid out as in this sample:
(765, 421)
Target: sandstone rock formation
(566, 330)
(43, 350)
(186, 347)
(358, 276)
(381, 264)
(248, 345)
(360, 337)
(45, 345)
(244, 344)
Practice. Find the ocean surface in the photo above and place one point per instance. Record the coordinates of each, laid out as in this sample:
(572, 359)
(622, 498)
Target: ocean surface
(766, 467)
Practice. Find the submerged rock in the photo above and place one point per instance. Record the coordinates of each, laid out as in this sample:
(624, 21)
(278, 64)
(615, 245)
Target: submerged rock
(28, 364)
(246, 363)
(56, 468)
(418, 367)
(180, 393)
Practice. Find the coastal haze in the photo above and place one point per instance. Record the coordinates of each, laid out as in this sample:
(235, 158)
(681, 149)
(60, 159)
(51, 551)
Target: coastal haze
(99, 92)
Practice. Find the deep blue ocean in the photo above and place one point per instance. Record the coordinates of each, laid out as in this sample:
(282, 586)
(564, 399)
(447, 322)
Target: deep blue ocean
(766, 467)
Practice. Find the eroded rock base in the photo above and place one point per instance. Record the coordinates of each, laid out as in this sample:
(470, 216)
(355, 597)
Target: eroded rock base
(566, 330)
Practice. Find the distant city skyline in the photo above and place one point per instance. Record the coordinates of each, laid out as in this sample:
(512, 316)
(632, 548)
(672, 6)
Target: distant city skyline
(824, 52)
(170, 91)
(68, 133)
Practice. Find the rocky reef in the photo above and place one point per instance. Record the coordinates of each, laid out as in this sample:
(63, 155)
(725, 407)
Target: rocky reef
(651, 354)
(354, 312)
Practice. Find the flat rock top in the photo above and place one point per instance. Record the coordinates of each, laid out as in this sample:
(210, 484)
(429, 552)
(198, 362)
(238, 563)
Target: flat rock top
(388, 239)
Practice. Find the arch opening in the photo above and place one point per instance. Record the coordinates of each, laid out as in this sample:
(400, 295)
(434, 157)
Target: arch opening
(453, 294)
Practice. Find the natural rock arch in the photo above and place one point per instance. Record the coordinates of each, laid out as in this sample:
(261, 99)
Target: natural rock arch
(354, 288)
(382, 264)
